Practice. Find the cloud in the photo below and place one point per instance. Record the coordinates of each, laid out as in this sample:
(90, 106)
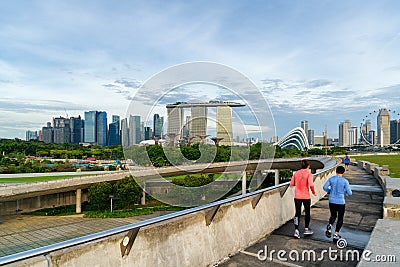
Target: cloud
(32, 105)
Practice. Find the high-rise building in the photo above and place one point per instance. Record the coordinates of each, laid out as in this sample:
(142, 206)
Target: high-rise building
(158, 126)
(31, 135)
(224, 125)
(175, 122)
(372, 137)
(344, 133)
(101, 128)
(114, 131)
(198, 122)
(147, 133)
(134, 130)
(304, 125)
(353, 136)
(310, 137)
(383, 125)
(187, 126)
(155, 118)
(365, 128)
(124, 132)
(76, 125)
(90, 127)
(61, 130)
(47, 133)
(394, 131)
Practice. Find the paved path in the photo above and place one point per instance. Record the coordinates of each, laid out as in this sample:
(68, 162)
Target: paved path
(363, 209)
(23, 232)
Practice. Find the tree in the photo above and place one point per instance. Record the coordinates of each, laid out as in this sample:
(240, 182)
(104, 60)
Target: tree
(99, 194)
(128, 191)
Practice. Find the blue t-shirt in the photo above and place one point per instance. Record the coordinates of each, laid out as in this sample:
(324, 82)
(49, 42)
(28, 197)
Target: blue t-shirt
(337, 187)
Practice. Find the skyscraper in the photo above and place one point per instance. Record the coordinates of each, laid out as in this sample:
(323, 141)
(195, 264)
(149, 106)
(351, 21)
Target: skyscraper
(175, 121)
(310, 137)
(47, 133)
(76, 125)
(344, 133)
(353, 136)
(155, 118)
(394, 131)
(198, 122)
(304, 125)
(90, 126)
(366, 127)
(114, 131)
(101, 128)
(383, 124)
(224, 125)
(31, 135)
(158, 126)
(134, 130)
(147, 133)
(124, 132)
(61, 130)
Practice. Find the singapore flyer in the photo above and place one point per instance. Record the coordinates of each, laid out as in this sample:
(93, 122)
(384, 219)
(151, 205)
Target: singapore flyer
(380, 127)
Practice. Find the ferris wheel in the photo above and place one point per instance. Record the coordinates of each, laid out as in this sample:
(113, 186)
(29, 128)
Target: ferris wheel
(368, 127)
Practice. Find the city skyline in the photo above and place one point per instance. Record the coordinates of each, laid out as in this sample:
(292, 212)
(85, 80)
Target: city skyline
(69, 57)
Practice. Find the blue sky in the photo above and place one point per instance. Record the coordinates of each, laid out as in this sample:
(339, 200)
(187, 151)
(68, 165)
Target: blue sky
(321, 61)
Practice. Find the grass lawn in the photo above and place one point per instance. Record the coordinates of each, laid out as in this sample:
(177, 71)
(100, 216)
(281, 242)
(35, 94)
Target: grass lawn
(38, 178)
(392, 160)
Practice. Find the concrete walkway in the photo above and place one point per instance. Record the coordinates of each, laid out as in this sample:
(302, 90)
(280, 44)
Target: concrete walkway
(24, 232)
(363, 209)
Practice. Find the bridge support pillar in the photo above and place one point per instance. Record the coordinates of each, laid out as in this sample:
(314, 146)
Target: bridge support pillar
(143, 199)
(78, 208)
(258, 175)
(244, 180)
(276, 177)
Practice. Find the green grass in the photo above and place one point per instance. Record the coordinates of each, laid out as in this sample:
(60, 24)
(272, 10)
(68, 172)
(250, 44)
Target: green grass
(38, 178)
(392, 160)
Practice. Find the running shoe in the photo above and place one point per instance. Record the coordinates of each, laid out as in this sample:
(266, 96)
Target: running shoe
(328, 232)
(308, 232)
(296, 233)
(336, 237)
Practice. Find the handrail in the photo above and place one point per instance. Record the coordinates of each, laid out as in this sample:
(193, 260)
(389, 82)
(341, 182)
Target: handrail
(96, 236)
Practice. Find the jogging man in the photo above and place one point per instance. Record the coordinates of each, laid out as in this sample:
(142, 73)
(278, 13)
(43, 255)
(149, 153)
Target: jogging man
(337, 187)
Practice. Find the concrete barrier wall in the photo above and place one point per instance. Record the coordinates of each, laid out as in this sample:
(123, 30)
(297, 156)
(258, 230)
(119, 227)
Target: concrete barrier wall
(187, 240)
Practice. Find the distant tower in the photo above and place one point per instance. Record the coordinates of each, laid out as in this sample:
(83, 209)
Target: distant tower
(353, 136)
(383, 122)
(304, 125)
(101, 128)
(134, 130)
(310, 137)
(61, 130)
(76, 125)
(114, 135)
(90, 126)
(124, 132)
(198, 121)
(224, 125)
(394, 131)
(175, 122)
(344, 133)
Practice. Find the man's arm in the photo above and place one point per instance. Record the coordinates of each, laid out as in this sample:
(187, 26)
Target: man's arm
(327, 185)
(347, 188)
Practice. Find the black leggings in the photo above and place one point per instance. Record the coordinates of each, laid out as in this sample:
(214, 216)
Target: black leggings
(307, 217)
(337, 210)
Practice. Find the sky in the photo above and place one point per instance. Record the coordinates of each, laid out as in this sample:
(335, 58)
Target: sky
(321, 61)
